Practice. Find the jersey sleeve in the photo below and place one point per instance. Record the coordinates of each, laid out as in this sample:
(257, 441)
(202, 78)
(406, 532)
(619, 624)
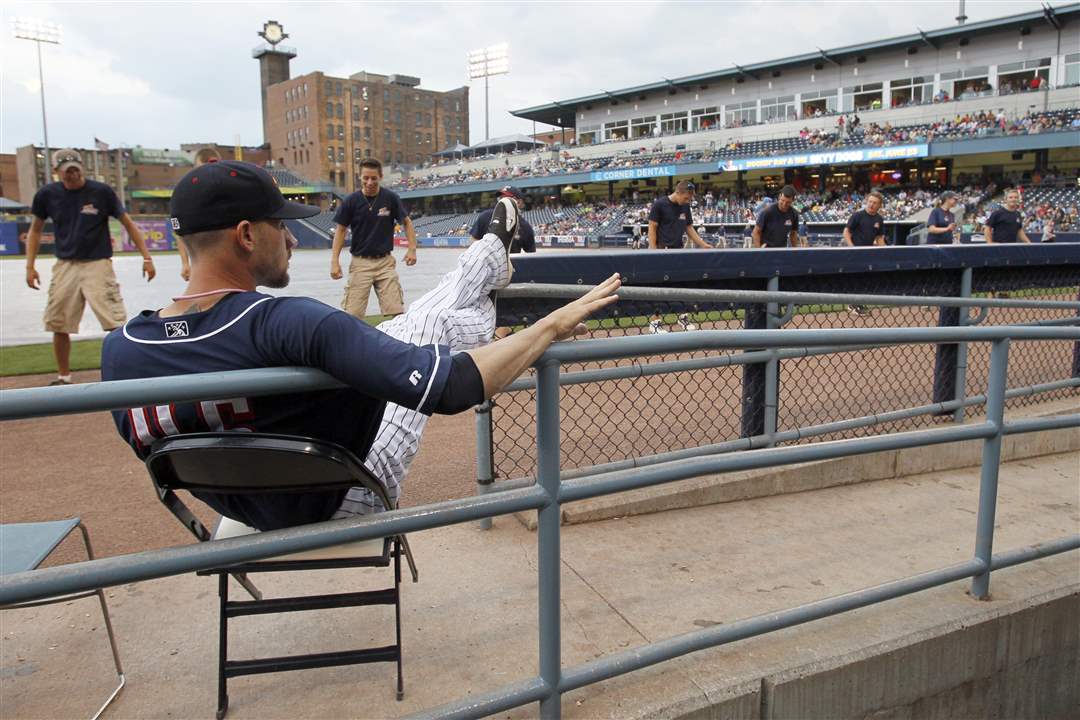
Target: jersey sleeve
(304, 332)
(759, 221)
(994, 219)
(852, 222)
(399, 210)
(40, 204)
(528, 237)
(480, 225)
(937, 218)
(689, 216)
(116, 208)
(794, 220)
(344, 213)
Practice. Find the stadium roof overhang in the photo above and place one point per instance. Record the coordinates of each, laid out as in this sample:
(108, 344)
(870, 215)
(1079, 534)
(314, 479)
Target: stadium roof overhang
(563, 113)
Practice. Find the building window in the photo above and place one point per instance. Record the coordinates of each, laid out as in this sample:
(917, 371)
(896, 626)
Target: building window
(356, 113)
(704, 118)
(389, 156)
(821, 102)
(417, 138)
(340, 132)
(617, 130)
(386, 114)
(307, 156)
(1072, 69)
(330, 130)
(367, 114)
(367, 152)
(1018, 76)
(329, 109)
(588, 134)
(340, 111)
(673, 123)
(863, 97)
(419, 119)
(778, 109)
(341, 154)
(397, 117)
(911, 91)
(305, 89)
(744, 113)
(397, 136)
(356, 154)
(355, 133)
(363, 92)
(367, 133)
(330, 153)
(968, 83)
(329, 87)
(337, 89)
(386, 136)
(427, 137)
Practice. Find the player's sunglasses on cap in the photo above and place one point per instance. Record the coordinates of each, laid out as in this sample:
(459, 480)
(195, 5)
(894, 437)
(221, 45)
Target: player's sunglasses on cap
(221, 194)
(62, 159)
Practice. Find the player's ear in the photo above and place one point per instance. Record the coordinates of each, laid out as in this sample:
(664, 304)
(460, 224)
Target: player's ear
(245, 236)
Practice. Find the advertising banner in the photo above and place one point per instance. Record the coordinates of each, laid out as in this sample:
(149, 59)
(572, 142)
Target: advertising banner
(565, 241)
(828, 157)
(157, 233)
(637, 173)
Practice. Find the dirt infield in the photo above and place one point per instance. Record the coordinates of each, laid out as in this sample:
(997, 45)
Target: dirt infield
(58, 467)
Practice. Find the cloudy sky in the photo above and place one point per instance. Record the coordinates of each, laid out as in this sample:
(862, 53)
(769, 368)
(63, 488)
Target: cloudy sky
(158, 74)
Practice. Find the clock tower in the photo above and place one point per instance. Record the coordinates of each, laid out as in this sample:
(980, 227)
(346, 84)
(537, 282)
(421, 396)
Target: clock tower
(273, 63)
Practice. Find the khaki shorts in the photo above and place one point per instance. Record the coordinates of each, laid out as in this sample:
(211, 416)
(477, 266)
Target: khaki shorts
(363, 274)
(77, 282)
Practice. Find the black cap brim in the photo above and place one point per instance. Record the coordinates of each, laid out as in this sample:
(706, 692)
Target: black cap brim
(295, 211)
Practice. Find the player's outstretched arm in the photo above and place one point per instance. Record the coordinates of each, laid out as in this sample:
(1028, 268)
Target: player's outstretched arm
(502, 362)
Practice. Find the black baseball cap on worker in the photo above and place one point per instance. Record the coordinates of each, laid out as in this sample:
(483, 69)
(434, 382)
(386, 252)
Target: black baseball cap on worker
(511, 191)
(221, 194)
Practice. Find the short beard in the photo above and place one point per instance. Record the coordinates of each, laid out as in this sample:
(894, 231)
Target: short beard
(278, 282)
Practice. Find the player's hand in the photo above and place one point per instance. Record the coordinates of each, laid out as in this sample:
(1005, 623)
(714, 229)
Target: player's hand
(410, 257)
(569, 319)
(335, 271)
(148, 270)
(32, 279)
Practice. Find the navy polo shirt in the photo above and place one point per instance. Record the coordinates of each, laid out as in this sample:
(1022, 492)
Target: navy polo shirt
(940, 218)
(777, 226)
(1005, 225)
(371, 221)
(672, 220)
(526, 240)
(865, 228)
(80, 218)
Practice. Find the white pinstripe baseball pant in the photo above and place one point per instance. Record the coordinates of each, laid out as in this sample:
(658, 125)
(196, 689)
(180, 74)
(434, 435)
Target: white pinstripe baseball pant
(458, 313)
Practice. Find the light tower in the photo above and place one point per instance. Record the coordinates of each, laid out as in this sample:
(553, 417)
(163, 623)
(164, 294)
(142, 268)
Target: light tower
(484, 63)
(39, 31)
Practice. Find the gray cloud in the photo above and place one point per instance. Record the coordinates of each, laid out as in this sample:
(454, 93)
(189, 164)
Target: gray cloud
(158, 74)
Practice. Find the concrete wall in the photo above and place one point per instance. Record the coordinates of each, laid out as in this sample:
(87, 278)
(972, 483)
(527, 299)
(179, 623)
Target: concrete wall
(1019, 661)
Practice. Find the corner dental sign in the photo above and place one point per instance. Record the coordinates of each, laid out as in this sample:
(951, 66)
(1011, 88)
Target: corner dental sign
(896, 152)
(632, 173)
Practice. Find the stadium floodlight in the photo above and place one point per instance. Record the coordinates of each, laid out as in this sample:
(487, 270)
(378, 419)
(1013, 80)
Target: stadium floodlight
(39, 31)
(484, 63)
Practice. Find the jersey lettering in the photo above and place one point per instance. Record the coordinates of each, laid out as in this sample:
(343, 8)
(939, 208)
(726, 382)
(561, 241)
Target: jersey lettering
(153, 423)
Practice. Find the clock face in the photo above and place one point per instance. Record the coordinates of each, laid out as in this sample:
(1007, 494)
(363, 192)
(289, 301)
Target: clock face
(273, 32)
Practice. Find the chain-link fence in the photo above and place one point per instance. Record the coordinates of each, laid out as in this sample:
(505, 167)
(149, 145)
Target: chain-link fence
(644, 415)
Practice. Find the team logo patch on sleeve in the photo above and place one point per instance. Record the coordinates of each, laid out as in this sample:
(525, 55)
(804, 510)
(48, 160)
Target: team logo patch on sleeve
(176, 329)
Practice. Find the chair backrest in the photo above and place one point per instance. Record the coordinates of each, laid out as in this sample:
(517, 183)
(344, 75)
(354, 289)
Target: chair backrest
(252, 463)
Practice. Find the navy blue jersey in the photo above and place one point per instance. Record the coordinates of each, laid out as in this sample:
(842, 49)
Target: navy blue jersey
(671, 221)
(252, 330)
(865, 228)
(777, 225)
(80, 218)
(1005, 225)
(940, 218)
(526, 240)
(371, 221)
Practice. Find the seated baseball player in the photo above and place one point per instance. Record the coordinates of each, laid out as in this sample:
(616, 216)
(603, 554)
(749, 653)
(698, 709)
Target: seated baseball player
(231, 216)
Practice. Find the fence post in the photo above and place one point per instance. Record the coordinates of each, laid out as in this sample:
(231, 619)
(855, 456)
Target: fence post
(991, 459)
(485, 461)
(753, 378)
(548, 520)
(962, 348)
(1076, 351)
(945, 358)
(772, 367)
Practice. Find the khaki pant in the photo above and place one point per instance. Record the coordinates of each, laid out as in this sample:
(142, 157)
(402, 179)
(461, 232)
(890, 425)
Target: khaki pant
(77, 282)
(380, 272)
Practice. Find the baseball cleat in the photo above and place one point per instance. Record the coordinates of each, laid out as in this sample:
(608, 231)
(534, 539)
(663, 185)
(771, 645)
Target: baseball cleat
(656, 327)
(685, 324)
(505, 222)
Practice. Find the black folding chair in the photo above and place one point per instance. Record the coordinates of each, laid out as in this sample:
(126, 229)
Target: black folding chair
(252, 463)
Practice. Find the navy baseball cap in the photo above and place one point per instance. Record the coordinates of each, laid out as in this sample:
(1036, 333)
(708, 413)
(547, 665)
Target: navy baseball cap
(221, 194)
(511, 191)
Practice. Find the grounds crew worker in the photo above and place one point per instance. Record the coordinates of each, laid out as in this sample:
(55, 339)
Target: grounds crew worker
(80, 210)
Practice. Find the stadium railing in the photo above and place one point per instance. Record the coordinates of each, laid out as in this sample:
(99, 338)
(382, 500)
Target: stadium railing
(713, 402)
(553, 489)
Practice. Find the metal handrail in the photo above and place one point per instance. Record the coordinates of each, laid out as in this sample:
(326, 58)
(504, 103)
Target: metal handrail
(552, 490)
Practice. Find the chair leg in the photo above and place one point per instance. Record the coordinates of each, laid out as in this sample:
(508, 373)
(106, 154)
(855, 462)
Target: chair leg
(223, 644)
(397, 618)
(108, 629)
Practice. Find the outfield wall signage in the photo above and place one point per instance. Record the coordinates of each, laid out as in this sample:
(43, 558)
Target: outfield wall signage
(829, 157)
(637, 173)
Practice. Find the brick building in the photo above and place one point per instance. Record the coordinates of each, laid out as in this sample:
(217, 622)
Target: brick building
(322, 127)
(9, 177)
